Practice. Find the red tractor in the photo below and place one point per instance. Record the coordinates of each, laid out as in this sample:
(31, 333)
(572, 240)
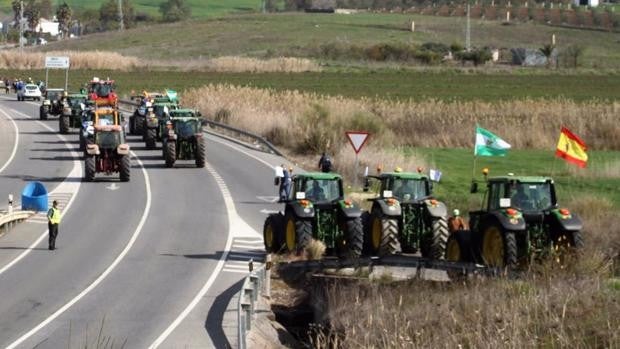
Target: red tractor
(108, 153)
(99, 90)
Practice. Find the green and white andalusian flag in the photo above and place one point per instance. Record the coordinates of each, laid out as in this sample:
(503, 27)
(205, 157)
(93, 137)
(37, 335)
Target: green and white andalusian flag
(488, 144)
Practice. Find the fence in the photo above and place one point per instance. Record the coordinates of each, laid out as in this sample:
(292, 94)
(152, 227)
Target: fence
(255, 284)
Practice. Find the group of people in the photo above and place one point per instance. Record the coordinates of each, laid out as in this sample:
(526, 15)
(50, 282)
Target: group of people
(17, 84)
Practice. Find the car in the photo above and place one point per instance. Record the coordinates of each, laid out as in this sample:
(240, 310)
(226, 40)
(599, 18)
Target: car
(30, 91)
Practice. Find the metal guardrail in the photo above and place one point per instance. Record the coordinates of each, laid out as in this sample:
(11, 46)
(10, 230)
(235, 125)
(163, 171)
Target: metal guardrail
(8, 219)
(255, 284)
(272, 149)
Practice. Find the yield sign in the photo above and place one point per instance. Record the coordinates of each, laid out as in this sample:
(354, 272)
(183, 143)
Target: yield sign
(357, 139)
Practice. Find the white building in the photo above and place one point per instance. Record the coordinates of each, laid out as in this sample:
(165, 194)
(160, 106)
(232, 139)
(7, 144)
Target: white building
(591, 3)
(47, 26)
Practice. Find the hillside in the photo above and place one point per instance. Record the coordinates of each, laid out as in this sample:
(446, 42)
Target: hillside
(316, 35)
(200, 8)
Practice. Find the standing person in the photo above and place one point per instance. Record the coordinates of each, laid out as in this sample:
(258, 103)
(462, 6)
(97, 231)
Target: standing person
(456, 222)
(284, 183)
(53, 220)
(325, 163)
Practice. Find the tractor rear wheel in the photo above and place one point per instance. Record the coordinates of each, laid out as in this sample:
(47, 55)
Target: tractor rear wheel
(354, 238)
(125, 169)
(63, 124)
(384, 235)
(298, 234)
(499, 248)
(132, 125)
(436, 248)
(43, 113)
(138, 126)
(170, 154)
(458, 249)
(272, 233)
(90, 168)
(149, 138)
(201, 152)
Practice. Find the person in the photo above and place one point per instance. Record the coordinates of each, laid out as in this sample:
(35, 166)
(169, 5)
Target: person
(316, 192)
(404, 191)
(285, 183)
(520, 198)
(456, 222)
(325, 163)
(53, 220)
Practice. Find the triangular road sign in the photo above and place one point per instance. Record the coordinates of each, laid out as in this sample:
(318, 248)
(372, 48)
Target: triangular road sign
(357, 139)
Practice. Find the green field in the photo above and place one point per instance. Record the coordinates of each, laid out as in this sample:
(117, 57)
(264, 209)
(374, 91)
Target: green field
(200, 8)
(300, 34)
(382, 84)
(457, 165)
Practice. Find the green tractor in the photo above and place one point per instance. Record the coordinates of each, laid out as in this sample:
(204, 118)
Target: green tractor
(108, 153)
(53, 103)
(316, 209)
(154, 123)
(182, 138)
(405, 217)
(520, 220)
(71, 116)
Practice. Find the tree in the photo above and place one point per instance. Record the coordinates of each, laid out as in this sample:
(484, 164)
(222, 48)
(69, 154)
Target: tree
(46, 9)
(33, 13)
(63, 14)
(17, 6)
(175, 10)
(108, 14)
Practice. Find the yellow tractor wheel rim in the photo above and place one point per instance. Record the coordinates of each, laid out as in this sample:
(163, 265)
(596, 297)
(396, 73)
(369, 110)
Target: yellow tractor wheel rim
(493, 247)
(453, 252)
(376, 233)
(290, 235)
(269, 236)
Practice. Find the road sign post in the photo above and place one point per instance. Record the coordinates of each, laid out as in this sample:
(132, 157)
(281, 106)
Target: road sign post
(357, 139)
(57, 63)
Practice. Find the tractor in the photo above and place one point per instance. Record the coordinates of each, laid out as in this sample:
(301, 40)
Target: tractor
(108, 153)
(183, 139)
(154, 122)
(53, 103)
(103, 91)
(316, 209)
(520, 220)
(405, 217)
(98, 114)
(71, 116)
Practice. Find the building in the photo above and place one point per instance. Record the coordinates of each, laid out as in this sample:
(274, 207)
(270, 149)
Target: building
(591, 3)
(48, 27)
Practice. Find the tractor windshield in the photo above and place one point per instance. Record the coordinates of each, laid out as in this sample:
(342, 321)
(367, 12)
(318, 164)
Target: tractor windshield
(108, 140)
(102, 90)
(408, 189)
(54, 95)
(185, 128)
(322, 190)
(75, 102)
(531, 196)
(106, 119)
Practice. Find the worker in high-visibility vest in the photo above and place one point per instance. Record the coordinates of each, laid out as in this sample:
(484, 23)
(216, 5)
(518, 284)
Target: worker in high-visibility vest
(53, 219)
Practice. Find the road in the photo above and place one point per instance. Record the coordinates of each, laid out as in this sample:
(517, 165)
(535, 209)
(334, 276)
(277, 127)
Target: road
(151, 262)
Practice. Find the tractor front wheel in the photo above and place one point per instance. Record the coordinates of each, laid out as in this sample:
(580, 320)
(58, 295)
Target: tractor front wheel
(298, 234)
(43, 113)
(499, 248)
(63, 124)
(149, 138)
(436, 244)
(170, 154)
(272, 233)
(90, 168)
(201, 152)
(354, 238)
(125, 168)
(132, 125)
(384, 235)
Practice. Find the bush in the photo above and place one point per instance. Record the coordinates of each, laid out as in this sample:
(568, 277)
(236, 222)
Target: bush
(456, 47)
(436, 47)
(479, 56)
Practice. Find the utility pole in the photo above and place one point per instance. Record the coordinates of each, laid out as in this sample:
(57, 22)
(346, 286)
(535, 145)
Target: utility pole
(21, 25)
(468, 31)
(121, 24)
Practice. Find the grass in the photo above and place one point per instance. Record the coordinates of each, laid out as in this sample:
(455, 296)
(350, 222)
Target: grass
(200, 8)
(384, 84)
(299, 34)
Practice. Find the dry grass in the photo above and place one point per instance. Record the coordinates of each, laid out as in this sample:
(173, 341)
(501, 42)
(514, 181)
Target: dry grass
(235, 64)
(315, 250)
(13, 59)
(574, 307)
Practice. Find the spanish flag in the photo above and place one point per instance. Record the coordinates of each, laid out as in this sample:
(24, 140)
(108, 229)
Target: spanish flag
(571, 148)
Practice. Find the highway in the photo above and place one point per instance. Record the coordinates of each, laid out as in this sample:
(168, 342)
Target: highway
(148, 263)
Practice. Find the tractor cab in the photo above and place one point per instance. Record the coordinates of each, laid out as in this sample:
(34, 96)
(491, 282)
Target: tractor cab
(102, 90)
(109, 137)
(185, 122)
(403, 186)
(317, 187)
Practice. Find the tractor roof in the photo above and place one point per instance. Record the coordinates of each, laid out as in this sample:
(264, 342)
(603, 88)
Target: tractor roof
(182, 111)
(77, 95)
(319, 175)
(524, 179)
(55, 90)
(403, 175)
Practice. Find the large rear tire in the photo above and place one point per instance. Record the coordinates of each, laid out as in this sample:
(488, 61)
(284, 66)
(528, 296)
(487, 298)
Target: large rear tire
(125, 169)
(132, 125)
(43, 113)
(436, 248)
(149, 138)
(384, 235)
(499, 248)
(201, 152)
(272, 233)
(298, 234)
(170, 153)
(458, 249)
(138, 126)
(63, 124)
(90, 168)
(354, 238)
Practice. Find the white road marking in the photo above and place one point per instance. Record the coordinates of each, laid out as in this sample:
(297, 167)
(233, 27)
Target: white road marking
(106, 272)
(244, 152)
(15, 144)
(63, 187)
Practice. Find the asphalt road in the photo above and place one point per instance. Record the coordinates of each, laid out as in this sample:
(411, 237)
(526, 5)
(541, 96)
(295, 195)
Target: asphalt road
(153, 261)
